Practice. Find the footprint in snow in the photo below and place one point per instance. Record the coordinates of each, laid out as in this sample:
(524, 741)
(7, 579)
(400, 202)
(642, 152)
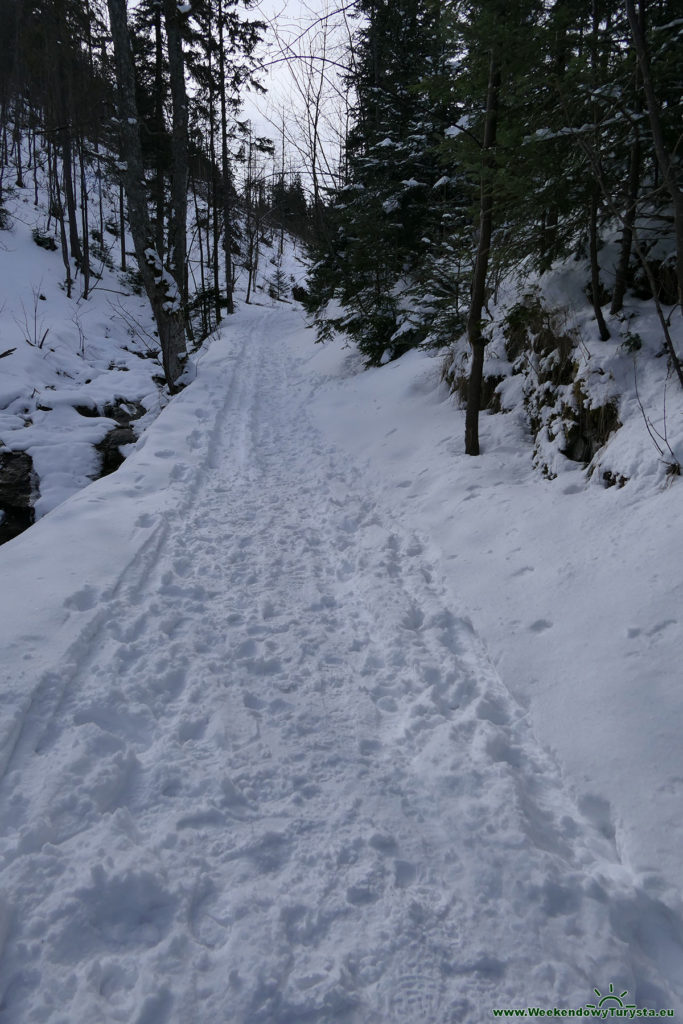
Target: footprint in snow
(367, 748)
(83, 600)
(405, 873)
(385, 844)
(661, 626)
(361, 895)
(540, 626)
(145, 521)
(413, 619)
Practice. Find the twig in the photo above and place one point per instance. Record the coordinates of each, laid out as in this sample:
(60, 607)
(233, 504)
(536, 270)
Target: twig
(673, 467)
(135, 327)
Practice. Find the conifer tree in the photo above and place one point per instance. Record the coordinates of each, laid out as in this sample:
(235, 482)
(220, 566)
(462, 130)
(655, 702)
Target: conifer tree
(373, 241)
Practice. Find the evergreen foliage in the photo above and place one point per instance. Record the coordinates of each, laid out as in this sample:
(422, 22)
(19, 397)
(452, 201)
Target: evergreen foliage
(378, 226)
(60, 85)
(486, 138)
(571, 156)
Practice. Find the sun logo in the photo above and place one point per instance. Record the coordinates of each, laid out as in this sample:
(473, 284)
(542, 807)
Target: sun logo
(610, 999)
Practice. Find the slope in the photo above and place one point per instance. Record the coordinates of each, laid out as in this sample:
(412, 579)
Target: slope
(259, 766)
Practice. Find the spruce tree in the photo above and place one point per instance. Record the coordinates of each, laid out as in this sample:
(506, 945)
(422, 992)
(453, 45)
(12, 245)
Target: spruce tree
(378, 223)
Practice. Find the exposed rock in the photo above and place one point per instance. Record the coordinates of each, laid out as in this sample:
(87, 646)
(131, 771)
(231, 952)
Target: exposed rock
(109, 448)
(123, 411)
(18, 492)
(89, 411)
(44, 240)
(19, 485)
(588, 429)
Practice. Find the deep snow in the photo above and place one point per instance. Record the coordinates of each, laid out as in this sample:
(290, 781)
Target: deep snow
(93, 352)
(257, 764)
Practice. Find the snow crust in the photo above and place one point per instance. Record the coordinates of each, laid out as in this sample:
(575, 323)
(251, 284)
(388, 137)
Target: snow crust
(576, 587)
(258, 765)
(94, 352)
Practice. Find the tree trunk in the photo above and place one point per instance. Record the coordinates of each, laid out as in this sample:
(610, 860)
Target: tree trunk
(159, 129)
(594, 200)
(202, 278)
(249, 225)
(225, 168)
(69, 193)
(100, 202)
(122, 227)
(64, 112)
(161, 290)
(179, 147)
(629, 221)
(212, 247)
(666, 167)
(51, 198)
(17, 141)
(35, 170)
(595, 266)
(85, 224)
(474, 331)
(62, 227)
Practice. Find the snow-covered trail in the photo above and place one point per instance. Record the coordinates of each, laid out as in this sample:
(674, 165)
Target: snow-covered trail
(276, 779)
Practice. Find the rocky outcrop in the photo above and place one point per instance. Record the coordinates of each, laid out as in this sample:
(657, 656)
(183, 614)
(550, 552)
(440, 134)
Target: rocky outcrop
(18, 492)
(110, 446)
(19, 485)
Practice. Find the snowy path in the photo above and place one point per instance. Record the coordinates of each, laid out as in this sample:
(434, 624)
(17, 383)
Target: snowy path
(276, 778)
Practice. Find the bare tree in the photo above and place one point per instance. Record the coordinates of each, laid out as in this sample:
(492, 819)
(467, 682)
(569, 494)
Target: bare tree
(161, 289)
(317, 119)
(179, 148)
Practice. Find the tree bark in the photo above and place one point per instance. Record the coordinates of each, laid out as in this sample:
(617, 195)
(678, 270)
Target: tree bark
(212, 244)
(666, 167)
(64, 110)
(69, 192)
(179, 147)
(122, 227)
(595, 266)
(161, 290)
(85, 223)
(594, 199)
(18, 106)
(62, 228)
(629, 221)
(159, 129)
(198, 220)
(474, 331)
(226, 172)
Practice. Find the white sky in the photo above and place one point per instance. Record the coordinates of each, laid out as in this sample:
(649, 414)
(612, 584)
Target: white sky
(297, 29)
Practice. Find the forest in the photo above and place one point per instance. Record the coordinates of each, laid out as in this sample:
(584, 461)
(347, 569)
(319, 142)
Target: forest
(341, 429)
(481, 142)
(489, 141)
(144, 104)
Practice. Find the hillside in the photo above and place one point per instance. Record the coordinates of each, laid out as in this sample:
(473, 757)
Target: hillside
(72, 369)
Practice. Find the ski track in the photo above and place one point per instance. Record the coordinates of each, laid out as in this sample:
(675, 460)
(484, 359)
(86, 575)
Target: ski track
(276, 779)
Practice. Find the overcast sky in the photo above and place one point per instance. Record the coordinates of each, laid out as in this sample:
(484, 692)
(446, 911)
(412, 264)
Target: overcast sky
(296, 28)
